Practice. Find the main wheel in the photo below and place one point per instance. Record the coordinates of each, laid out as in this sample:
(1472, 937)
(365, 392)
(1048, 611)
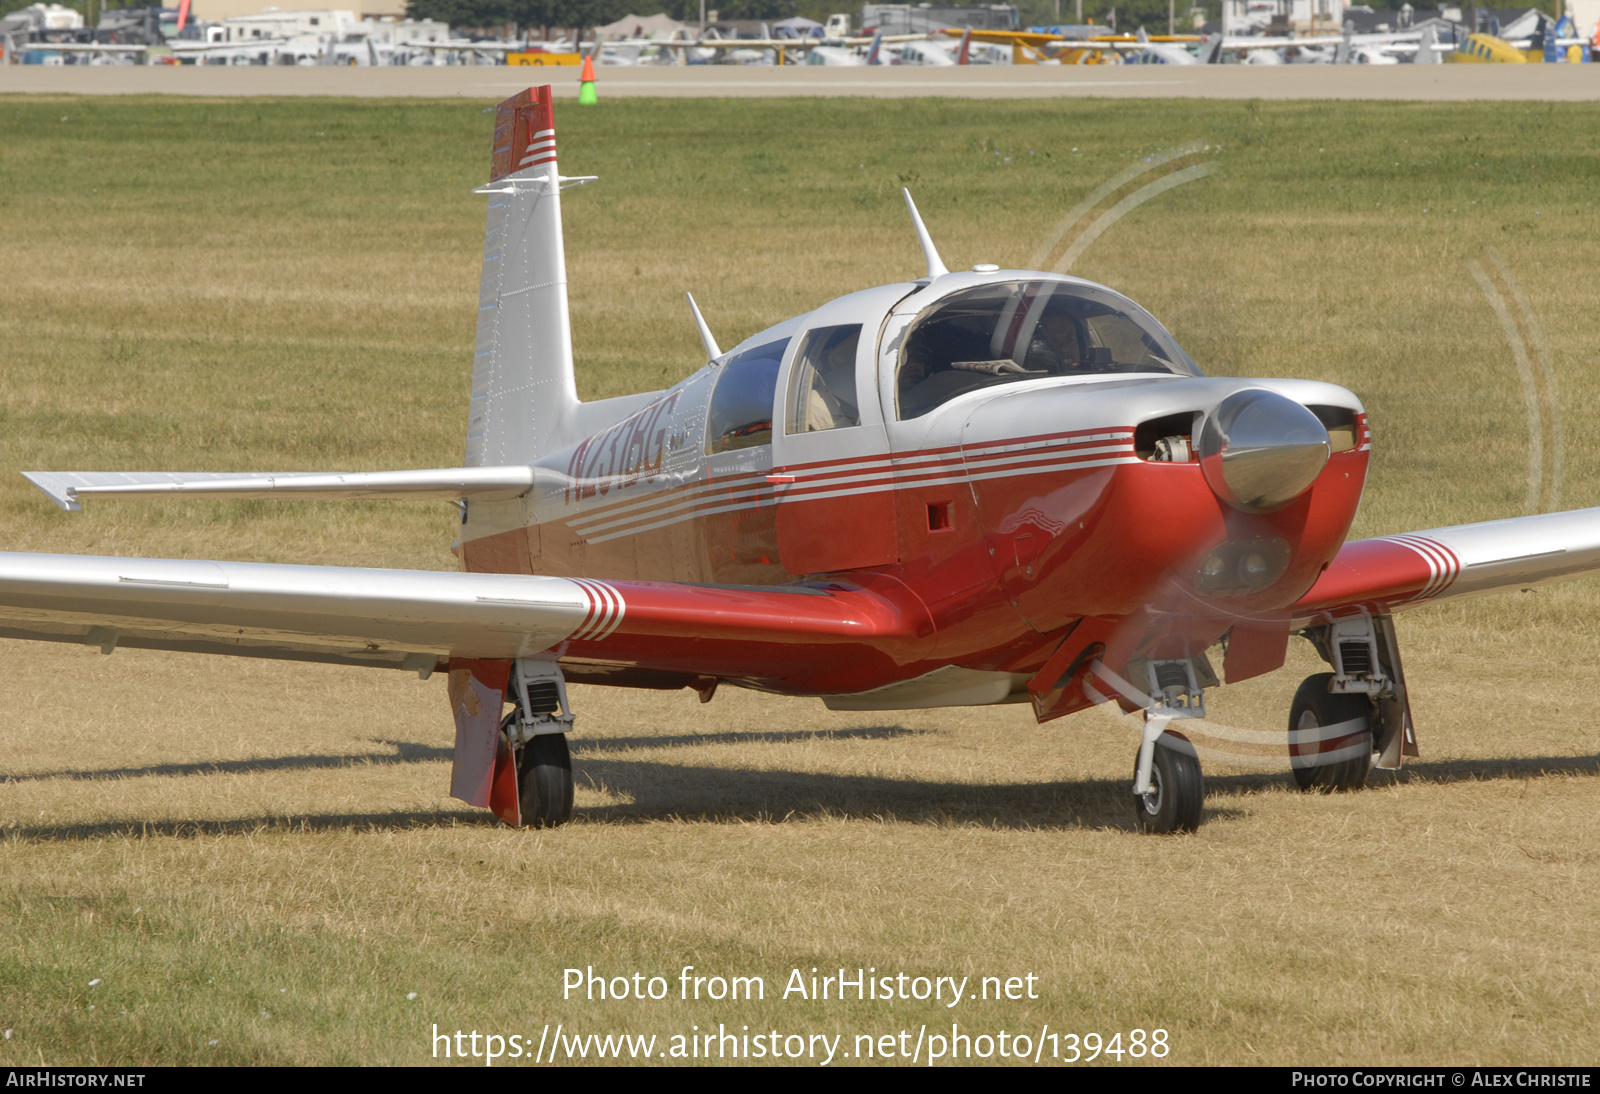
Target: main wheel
(545, 781)
(1177, 789)
(1330, 737)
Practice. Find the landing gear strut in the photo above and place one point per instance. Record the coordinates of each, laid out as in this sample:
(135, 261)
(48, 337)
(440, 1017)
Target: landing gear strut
(537, 730)
(1168, 790)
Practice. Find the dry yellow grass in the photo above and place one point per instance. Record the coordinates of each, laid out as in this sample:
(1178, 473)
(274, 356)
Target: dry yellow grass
(262, 856)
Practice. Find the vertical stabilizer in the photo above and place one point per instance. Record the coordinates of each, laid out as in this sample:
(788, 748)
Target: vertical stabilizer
(522, 384)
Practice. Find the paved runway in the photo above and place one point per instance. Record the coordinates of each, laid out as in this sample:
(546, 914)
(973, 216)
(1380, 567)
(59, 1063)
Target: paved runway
(1443, 82)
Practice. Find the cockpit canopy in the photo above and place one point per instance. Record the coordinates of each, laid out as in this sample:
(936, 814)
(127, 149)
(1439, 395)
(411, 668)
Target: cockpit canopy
(1005, 332)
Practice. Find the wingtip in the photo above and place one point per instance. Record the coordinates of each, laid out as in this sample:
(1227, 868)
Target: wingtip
(55, 490)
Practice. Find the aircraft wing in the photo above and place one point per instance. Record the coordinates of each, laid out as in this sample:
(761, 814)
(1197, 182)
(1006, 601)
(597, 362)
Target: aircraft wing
(68, 488)
(1394, 572)
(462, 45)
(418, 619)
(789, 43)
(85, 47)
(1034, 39)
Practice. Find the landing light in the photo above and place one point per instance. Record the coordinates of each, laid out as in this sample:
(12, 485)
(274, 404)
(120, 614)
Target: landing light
(1239, 567)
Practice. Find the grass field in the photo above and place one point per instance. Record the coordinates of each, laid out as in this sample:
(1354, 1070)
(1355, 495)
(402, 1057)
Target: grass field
(257, 863)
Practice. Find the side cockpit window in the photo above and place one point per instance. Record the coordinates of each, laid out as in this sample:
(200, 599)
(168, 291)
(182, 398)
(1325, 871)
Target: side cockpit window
(741, 404)
(1020, 330)
(822, 392)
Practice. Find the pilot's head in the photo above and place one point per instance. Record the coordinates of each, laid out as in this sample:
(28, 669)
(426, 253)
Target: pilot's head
(914, 367)
(1062, 332)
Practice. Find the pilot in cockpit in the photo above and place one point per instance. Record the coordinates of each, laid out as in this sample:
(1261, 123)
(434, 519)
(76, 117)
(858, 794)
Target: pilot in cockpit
(1003, 333)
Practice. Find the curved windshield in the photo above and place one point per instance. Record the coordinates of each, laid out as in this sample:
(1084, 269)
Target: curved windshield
(1023, 330)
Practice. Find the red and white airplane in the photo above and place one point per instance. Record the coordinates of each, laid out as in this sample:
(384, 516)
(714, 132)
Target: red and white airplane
(973, 487)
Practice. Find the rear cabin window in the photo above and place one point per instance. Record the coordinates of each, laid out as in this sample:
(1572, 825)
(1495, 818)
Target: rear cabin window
(822, 393)
(1023, 330)
(741, 404)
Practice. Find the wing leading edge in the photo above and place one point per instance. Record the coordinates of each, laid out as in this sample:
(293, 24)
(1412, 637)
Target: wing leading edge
(419, 619)
(1391, 573)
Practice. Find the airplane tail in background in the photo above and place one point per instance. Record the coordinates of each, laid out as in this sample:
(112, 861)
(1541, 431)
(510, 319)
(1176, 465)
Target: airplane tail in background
(964, 53)
(875, 51)
(523, 391)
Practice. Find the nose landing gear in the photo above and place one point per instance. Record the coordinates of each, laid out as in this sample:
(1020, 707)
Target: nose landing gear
(1175, 791)
(1168, 790)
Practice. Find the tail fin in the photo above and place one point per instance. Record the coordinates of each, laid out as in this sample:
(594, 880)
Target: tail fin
(523, 390)
(964, 54)
(874, 53)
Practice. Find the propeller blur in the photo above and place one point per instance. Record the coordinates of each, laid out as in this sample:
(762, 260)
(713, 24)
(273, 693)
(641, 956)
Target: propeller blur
(968, 487)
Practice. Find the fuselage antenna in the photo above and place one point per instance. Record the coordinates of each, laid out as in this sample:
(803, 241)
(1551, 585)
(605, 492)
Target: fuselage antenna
(936, 267)
(712, 349)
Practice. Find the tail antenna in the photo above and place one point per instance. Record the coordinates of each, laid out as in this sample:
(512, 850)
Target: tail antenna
(936, 267)
(713, 351)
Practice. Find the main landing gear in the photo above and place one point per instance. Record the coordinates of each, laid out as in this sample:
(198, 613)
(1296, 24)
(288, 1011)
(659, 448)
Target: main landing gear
(1345, 722)
(1330, 737)
(537, 730)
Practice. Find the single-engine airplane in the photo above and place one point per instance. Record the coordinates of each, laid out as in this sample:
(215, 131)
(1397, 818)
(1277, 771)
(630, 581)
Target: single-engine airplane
(969, 487)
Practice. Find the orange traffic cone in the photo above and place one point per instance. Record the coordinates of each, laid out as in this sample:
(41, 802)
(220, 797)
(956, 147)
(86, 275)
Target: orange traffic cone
(586, 93)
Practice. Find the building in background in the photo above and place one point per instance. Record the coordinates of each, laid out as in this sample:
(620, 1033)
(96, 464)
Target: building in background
(1242, 17)
(219, 10)
(343, 26)
(639, 26)
(37, 18)
(924, 18)
(1586, 16)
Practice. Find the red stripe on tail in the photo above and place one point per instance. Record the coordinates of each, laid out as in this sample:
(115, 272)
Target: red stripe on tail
(516, 121)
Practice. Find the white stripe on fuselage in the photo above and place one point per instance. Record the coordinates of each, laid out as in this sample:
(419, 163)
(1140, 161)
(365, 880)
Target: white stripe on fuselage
(874, 474)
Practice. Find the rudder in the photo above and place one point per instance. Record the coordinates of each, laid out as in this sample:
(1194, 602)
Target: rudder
(523, 391)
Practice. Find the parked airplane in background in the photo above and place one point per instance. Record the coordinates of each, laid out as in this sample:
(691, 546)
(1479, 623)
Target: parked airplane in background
(969, 487)
(1553, 41)
(1486, 49)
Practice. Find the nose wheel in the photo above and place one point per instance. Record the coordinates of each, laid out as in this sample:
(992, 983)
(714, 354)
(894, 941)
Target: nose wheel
(1176, 793)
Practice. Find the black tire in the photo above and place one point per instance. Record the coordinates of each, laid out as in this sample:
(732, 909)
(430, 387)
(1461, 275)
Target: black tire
(1177, 789)
(1315, 706)
(545, 781)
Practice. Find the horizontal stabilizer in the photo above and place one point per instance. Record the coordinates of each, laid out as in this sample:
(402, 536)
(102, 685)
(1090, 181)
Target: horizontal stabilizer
(68, 488)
